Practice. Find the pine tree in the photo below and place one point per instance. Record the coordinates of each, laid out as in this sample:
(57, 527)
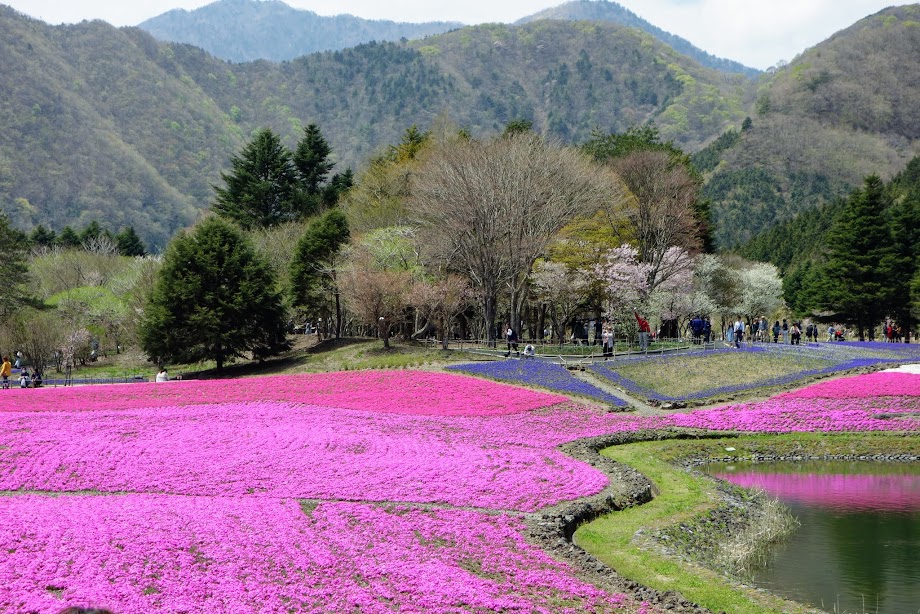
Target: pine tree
(312, 160)
(214, 299)
(855, 282)
(68, 238)
(129, 244)
(42, 236)
(262, 188)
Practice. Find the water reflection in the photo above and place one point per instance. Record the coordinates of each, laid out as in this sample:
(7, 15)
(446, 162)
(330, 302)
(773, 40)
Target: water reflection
(858, 547)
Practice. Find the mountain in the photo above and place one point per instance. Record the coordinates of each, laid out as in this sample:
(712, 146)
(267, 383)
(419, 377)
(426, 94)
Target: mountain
(109, 124)
(603, 10)
(245, 30)
(840, 111)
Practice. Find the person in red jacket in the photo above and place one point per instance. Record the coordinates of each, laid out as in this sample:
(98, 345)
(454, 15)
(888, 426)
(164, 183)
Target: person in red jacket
(644, 331)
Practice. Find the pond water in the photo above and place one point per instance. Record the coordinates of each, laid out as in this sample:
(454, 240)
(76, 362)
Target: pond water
(858, 547)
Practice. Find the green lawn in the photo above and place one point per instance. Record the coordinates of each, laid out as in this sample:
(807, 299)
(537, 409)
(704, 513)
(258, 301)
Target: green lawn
(677, 376)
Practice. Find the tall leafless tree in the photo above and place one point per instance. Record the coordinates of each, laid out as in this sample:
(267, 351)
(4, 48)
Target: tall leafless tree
(489, 208)
(662, 194)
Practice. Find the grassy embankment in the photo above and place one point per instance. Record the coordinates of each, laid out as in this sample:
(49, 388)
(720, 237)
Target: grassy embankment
(685, 496)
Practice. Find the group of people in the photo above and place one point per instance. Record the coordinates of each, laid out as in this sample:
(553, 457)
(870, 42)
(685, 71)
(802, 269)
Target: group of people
(701, 328)
(26, 380)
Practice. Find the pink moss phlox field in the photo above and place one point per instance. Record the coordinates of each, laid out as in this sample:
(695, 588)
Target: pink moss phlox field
(881, 384)
(148, 553)
(787, 415)
(402, 392)
(847, 493)
(182, 497)
(277, 450)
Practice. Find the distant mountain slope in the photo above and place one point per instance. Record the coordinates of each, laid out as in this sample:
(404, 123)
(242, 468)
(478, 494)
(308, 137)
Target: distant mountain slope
(245, 30)
(603, 10)
(112, 125)
(842, 110)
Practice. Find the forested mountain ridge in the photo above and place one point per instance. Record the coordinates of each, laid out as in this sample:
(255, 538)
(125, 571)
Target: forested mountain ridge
(840, 111)
(109, 124)
(604, 10)
(246, 30)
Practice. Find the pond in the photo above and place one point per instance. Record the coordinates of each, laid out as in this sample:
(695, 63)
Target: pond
(858, 547)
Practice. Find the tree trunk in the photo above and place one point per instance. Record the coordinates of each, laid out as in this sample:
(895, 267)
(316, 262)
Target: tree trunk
(338, 316)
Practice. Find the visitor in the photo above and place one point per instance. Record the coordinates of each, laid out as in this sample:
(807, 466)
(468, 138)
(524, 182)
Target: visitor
(607, 337)
(529, 351)
(796, 333)
(739, 332)
(776, 332)
(707, 330)
(512, 339)
(831, 333)
(762, 329)
(24, 379)
(644, 330)
(785, 332)
(163, 375)
(18, 360)
(37, 379)
(6, 371)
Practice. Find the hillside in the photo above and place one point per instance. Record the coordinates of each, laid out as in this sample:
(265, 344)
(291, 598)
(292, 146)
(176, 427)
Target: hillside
(109, 124)
(606, 11)
(842, 110)
(245, 30)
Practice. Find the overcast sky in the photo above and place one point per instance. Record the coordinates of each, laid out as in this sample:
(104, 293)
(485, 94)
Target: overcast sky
(755, 32)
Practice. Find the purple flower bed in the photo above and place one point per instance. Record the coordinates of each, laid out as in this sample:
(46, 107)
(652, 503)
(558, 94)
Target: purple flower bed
(539, 373)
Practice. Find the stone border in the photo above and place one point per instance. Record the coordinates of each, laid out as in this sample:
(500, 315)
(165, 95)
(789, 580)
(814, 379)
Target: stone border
(553, 528)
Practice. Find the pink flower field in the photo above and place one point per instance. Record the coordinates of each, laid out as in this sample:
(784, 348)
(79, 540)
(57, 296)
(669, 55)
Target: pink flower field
(190, 496)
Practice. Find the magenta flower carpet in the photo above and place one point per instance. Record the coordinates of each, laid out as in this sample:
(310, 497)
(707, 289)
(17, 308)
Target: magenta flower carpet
(359, 491)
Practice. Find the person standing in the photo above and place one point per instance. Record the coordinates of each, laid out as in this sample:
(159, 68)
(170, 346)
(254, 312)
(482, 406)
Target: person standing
(739, 332)
(512, 338)
(644, 331)
(776, 331)
(6, 371)
(785, 331)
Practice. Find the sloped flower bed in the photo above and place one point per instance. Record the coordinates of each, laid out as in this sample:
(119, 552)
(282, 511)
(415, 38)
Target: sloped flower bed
(539, 373)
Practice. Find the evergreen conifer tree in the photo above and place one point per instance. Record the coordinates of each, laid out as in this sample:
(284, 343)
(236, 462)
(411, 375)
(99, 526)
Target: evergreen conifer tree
(129, 244)
(214, 299)
(262, 188)
(855, 282)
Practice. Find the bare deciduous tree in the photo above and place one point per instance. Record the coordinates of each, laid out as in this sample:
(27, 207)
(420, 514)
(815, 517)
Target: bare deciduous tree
(377, 297)
(489, 208)
(662, 195)
(441, 301)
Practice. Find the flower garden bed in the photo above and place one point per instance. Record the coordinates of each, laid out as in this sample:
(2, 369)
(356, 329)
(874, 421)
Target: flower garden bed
(368, 491)
(539, 373)
(682, 377)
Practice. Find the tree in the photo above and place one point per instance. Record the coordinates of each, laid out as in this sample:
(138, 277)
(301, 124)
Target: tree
(441, 301)
(214, 299)
(262, 188)
(13, 269)
(490, 208)
(42, 236)
(129, 244)
(761, 290)
(68, 238)
(640, 157)
(312, 159)
(313, 269)
(856, 278)
(377, 296)
(562, 289)
(661, 195)
(39, 334)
